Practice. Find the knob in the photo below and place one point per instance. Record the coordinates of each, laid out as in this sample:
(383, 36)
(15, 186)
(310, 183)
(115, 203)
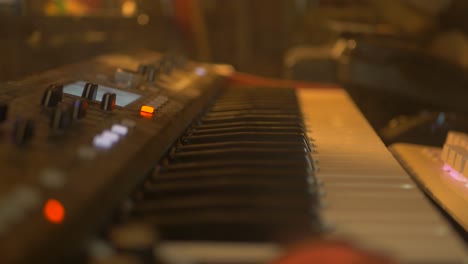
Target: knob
(80, 108)
(167, 69)
(152, 73)
(61, 118)
(108, 101)
(142, 69)
(127, 78)
(90, 91)
(166, 66)
(3, 112)
(23, 131)
(52, 96)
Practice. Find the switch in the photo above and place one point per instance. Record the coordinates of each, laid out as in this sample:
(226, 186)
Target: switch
(23, 131)
(108, 101)
(90, 91)
(3, 112)
(52, 96)
(80, 108)
(61, 118)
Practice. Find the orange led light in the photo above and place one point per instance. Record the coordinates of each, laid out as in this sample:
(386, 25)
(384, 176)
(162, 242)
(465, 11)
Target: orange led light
(147, 109)
(54, 211)
(146, 115)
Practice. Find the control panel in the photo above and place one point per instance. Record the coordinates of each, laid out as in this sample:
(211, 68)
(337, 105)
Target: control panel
(76, 139)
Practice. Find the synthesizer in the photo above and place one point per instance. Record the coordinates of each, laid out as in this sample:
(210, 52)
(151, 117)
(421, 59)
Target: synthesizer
(75, 139)
(145, 158)
(441, 172)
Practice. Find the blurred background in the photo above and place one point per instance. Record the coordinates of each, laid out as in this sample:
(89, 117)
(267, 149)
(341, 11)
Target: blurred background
(402, 61)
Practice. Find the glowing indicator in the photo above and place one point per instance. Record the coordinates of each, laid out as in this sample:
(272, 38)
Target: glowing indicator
(54, 211)
(119, 129)
(147, 109)
(113, 137)
(454, 174)
(129, 8)
(200, 71)
(146, 115)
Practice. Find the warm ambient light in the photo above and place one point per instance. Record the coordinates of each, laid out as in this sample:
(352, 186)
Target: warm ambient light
(147, 109)
(129, 8)
(54, 211)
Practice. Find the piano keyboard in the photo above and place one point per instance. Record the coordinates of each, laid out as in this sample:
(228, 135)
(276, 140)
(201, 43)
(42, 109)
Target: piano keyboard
(188, 169)
(243, 171)
(246, 171)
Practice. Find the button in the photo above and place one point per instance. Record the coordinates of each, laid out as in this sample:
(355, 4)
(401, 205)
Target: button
(3, 112)
(10, 211)
(27, 197)
(114, 137)
(200, 71)
(108, 101)
(119, 129)
(23, 131)
(90, 91)
(61, 118)
(131, 124)
(52, 178)
(147, 109)
(99, 249)
(86, 153)
(16, 205)
(102, 142)
(52, 96)
(105, 140)
(80, 108)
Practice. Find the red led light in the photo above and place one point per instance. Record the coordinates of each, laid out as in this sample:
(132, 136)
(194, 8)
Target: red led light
(54, 211)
